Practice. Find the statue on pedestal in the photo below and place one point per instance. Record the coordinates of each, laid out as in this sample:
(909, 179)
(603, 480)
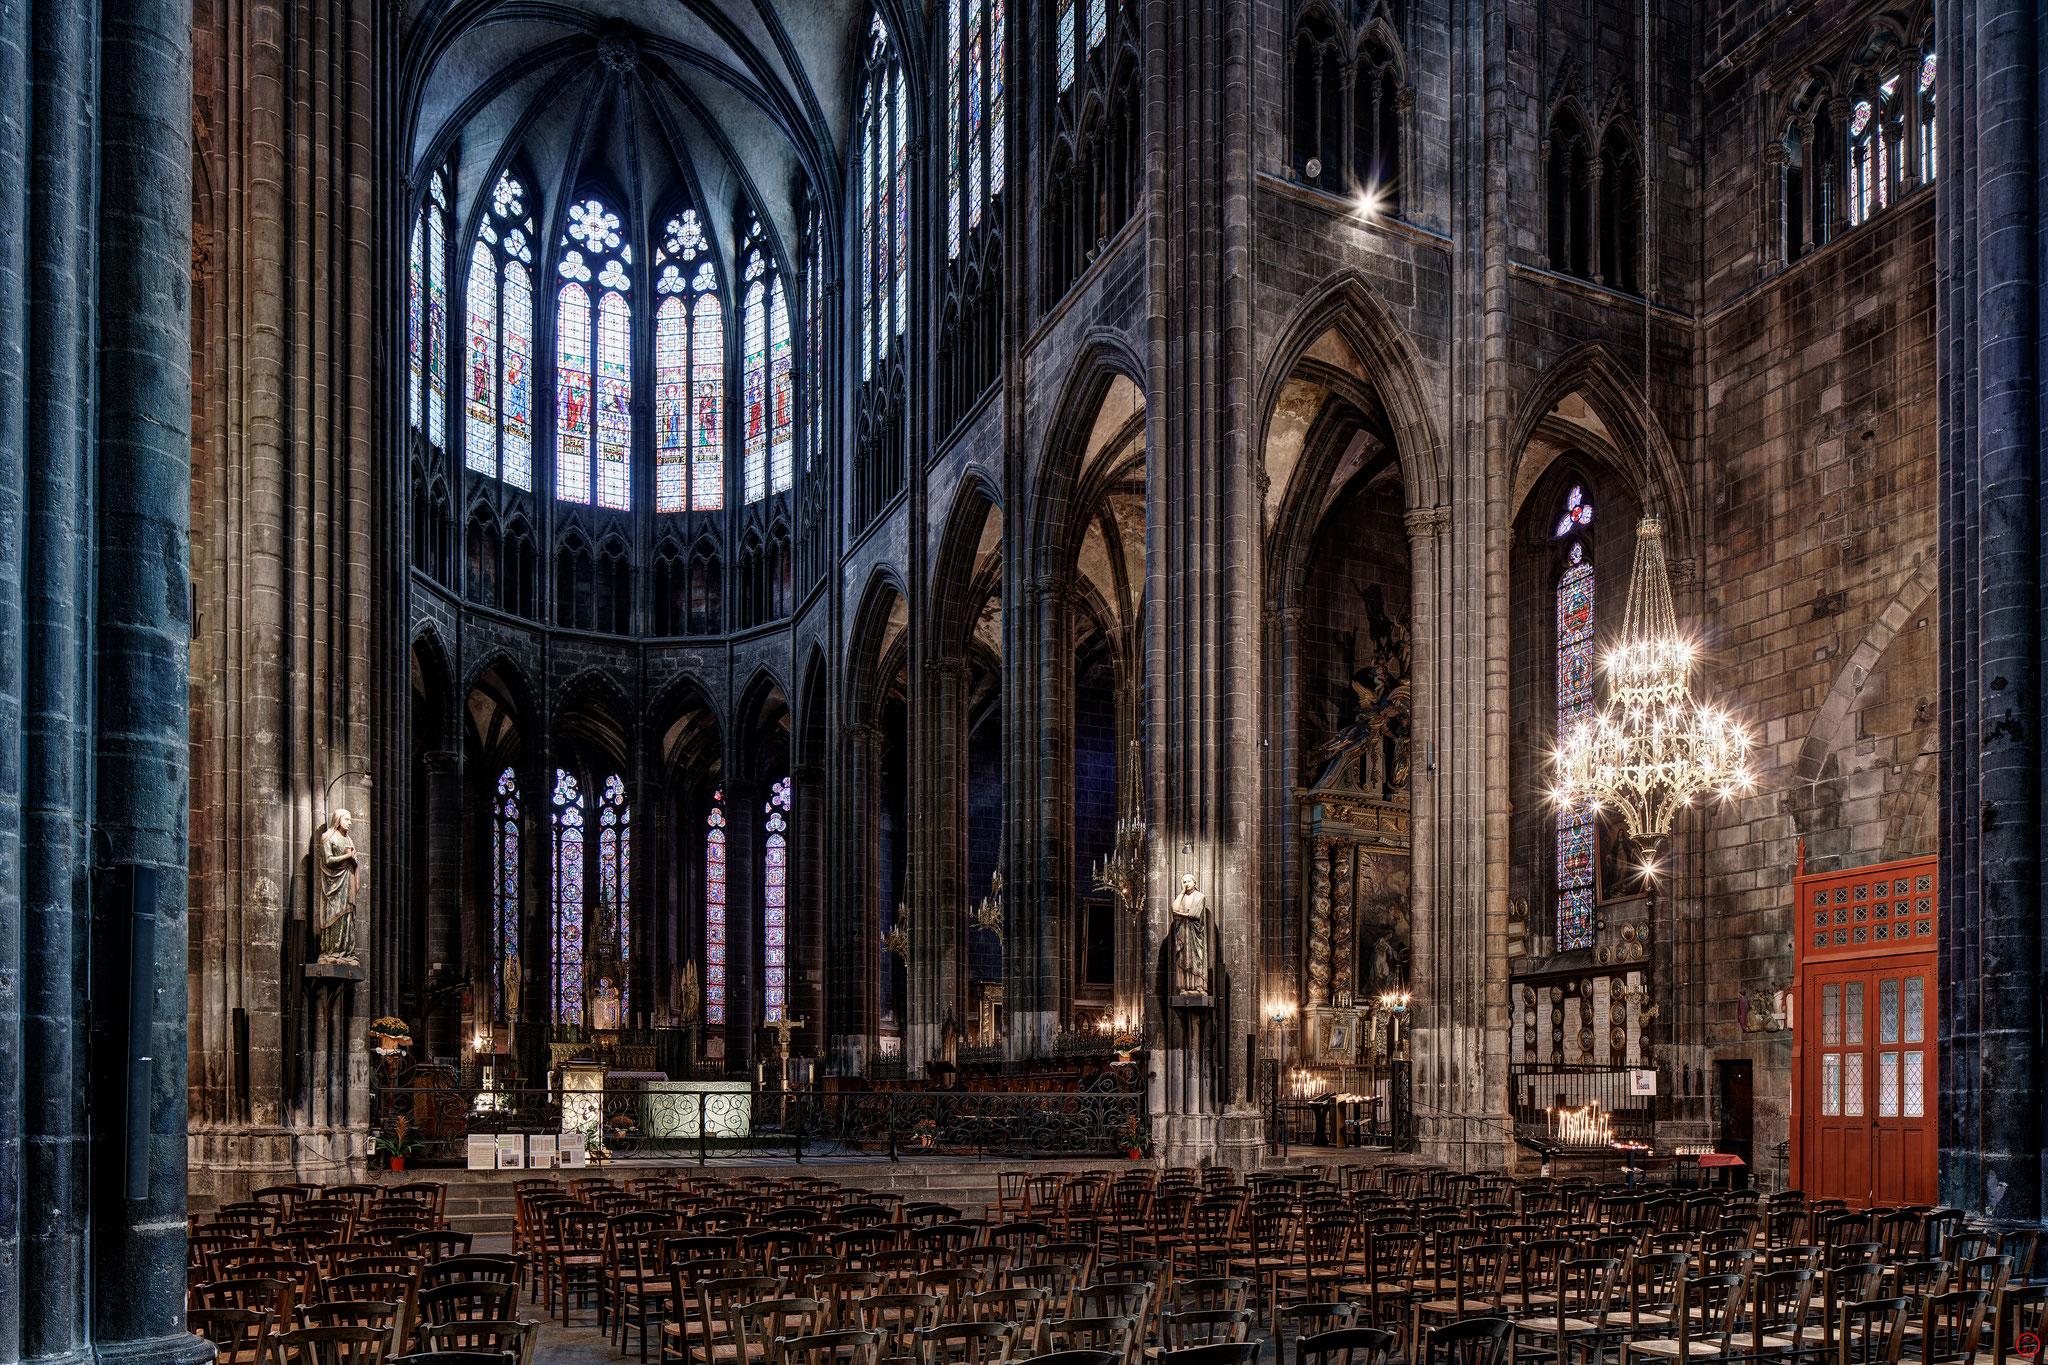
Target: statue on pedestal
(339, 879)
(1190, 939)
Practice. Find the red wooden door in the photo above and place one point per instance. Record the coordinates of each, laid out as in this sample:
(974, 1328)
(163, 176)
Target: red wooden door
(1863, 1048)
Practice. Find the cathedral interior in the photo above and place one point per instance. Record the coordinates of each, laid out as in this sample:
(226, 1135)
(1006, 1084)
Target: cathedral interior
(1420, 585)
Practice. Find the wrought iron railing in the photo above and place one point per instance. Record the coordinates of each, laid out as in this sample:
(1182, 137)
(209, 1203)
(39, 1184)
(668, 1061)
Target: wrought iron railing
(642, 1119)
(1537, 1089)
(1348, 1106)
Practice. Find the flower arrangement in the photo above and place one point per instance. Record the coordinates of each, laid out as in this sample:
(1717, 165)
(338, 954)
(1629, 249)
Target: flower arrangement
(389, 1035)
(925, 1133)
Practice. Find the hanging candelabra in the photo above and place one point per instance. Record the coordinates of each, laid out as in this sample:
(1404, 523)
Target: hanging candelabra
(1121, 872)
(1653, 748)
(988, 914)
(897, 940)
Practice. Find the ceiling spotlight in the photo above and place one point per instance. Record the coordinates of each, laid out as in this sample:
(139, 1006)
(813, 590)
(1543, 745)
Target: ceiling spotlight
(1312, 169)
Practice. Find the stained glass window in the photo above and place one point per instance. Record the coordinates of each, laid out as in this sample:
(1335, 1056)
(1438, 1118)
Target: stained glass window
(1575, 828)
(1098, 23)
(884, 204)
(775, 904)
(1066, 45)
(1929, 141)
(714, 911)
(814, 340)
(973, 114)
(1577, 512)
(480, 404)
(754, 388)
(615, 873)
(689, 368)
(498, 374)
(1868, 168)
(416, 325)
(436, 339)
(781, 392)
(593, 361)
(568, 899)
(504, 893)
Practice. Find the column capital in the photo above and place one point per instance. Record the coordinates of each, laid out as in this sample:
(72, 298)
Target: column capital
(951, 670)
(441, 762)
(1425, 523)
(808, 774)
(1052, 587)
(862, 732)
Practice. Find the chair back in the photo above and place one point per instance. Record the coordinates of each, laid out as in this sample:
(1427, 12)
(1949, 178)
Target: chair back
(1114, 1334)
(1346, 1346)
(1207, 1326)
(1469, 1341)
(1212, 1292)
(1872, 1332)
(1779, 1303)
(967, 1343)
(833, 1348)
(487, 1267)
(764, 1323)
(333, 1346)
(1222, 1353)
(2022, 1312)
(1951, 1325)
(898, 1319)
(485, 1335)
(1025, 1309)
(470, 1300)
(240, 1336)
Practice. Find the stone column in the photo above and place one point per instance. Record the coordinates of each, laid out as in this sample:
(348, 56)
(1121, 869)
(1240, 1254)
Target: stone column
(938, 988)
(861, 947)
(1596, 172)
(1993, 626)
(141, 646)
(1034, 961)
(441, 929)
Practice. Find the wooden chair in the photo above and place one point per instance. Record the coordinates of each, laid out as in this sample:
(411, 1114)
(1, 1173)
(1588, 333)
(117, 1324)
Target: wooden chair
(763, 1324)
(516, 1338)
(1872, 1332)
(1951, 1326)
(1707, 1307)
(967, 1343)
(1024, 1309)
(1472, 1341)
(1346, 1346)
(1309, 1320)
(1780, 1303)
(837, 1292)
(572, 1258)
(1581, 1313)
(1118, 1335)
(390, 1316)
(240, 1336)
(1207, 1326)
(333, 1346)
(833, 1348)
(898, 1319)
(2020, 1311)
(469, 1300)
(1221, 1353)
(718, 1308)
(635, 1288)
(434, 1246)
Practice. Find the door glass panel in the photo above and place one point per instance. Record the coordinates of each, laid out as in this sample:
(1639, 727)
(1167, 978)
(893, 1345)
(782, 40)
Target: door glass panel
(1888, 1010)
(1916, 1087)
(1831, 1015)
(1852, 1012)
(1916, 1002)
(1888, 1084)
(1852, 1084)
(1831, 1083)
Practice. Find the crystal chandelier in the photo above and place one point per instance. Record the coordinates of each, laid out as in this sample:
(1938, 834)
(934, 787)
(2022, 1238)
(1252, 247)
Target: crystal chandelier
(1122, 871)
(1653, 748)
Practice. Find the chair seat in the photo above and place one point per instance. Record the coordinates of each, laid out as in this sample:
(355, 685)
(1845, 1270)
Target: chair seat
(1672, 1348)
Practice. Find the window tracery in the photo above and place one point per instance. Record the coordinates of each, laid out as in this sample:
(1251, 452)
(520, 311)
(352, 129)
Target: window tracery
(714, 911)
(1095, 120)
(498, 376)
(882, 274)
(566, 912)
(972, 116)
(689, 372)
(504, 893)
(427, 317)
(593, 361)
(1594, 191)
(775, 903)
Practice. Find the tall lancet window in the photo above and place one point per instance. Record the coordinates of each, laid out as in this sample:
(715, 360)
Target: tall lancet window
(498, 379)
(881, 274)
(1869, 160)
(689, 372)
(1575, 828)
(974, 115)
(775, 904)
(767, 378)
(714, 911)
(505, 895)
(567, 910)
(614, 902)
(427, 309)
(594, 361)
(1930, 161)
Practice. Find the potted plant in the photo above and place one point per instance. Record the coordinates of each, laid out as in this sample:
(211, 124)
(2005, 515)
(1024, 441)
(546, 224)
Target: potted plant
(396, 1143)
(1135, 1139)
(925, 1133)
(389, 1036)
